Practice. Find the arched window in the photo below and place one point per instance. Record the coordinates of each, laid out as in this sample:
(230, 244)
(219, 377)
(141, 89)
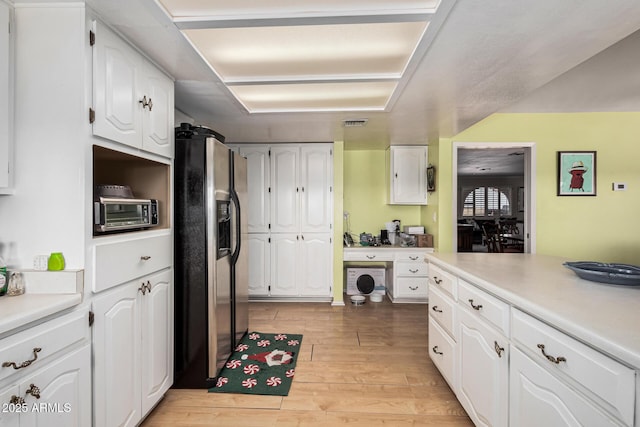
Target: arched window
(487, 202)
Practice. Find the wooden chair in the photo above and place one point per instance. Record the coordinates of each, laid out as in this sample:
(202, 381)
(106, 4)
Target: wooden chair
(490, 235)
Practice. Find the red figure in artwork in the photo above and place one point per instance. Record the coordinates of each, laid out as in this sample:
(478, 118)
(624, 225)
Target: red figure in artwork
(577, 180)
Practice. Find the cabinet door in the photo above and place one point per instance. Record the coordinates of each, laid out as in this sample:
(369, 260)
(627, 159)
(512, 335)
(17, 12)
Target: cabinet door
(538, 398)
(157, 338)
(115, 90)
(60, 393)
(284, 264)
(316, 177)
(259, 262)
(10, 417)
(483, 371)
(258, 188)
(157, 123)
(6, 65)
(315, 258)
(116, 357)
(408, 175)
(284, 189)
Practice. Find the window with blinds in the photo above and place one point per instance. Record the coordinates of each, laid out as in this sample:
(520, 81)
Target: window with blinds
(487, 202)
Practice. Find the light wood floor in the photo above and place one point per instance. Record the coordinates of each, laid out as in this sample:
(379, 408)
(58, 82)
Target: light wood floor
(361, 366)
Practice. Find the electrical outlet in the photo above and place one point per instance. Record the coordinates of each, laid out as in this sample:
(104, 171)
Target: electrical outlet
(619, 186)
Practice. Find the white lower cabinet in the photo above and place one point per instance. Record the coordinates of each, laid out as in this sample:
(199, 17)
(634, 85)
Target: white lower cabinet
(538, 398)
(133, 349)
(301, 265)
(483, 371)
(259, 250)
(52, 385)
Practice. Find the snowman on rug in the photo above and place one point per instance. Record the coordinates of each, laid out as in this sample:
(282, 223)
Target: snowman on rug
(271, 358)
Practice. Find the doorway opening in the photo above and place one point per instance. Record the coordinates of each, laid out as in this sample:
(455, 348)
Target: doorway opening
(493, 186)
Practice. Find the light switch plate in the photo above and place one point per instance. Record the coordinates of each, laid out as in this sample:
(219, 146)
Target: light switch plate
(619, 186)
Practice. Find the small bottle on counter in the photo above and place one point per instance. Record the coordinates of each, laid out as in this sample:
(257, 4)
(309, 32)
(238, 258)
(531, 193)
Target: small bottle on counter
(3, 277)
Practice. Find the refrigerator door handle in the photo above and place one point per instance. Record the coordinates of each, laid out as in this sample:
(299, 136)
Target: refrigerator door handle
(236, 203)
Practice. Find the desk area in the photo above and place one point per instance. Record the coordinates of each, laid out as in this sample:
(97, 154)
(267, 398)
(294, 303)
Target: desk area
(406, 269)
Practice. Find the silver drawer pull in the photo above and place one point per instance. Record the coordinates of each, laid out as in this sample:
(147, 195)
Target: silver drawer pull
(551, 359)
(26, 363)
(16, 400)
(436, 309)
(33, 391)
(413, 271)
(143, 289)
(371, 256)
(435, 350)
(413, 288)
(475, 307)
(145, 258)
(438, 281)
(498, 349)
(414, 258)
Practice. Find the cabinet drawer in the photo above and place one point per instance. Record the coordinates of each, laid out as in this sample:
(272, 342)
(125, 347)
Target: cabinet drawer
(49, 337)
(418, 269)
(120, 262)
(442, 309)
(611, 382)
(441, 352)
(443, 280)
(411, 288)
(369, 255)
(403, 255)
(483, 305)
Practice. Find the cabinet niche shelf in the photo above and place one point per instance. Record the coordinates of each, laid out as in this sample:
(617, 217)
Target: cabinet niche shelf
(148, 179)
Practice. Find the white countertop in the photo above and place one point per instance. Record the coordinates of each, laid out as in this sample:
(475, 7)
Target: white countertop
(386, 248)
(23, 309)
(606, 317)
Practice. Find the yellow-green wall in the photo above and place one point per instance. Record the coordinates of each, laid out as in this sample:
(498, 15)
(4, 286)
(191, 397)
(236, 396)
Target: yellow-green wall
(365, 194)
(597, 228)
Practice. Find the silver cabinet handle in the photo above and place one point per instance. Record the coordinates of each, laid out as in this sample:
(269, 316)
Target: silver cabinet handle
(148, 286)
(143, 289)
(33, 391)
(413, 258)
(370, 256)
(145, 258)
(436, 309)
(413, 271)
(413, 289)
(435, 350)
(498, 349)
(551, 359)
(438, 281)
(475, 307)
(24, 364)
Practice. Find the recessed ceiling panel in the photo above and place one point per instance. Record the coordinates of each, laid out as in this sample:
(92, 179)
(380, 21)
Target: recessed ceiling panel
(222, 8)
(308, 52)
(314, 96)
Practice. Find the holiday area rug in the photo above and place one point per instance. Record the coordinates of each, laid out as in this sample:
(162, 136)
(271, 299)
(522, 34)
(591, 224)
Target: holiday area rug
(260, 364)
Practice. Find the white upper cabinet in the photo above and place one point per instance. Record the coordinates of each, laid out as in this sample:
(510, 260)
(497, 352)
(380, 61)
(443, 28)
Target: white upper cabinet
(133, 100)
(258, 187)
(284, 189)
(315, 188)
(407, 175)
(6, 99)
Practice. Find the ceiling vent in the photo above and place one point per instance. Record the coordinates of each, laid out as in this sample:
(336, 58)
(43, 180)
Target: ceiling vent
(355, 123)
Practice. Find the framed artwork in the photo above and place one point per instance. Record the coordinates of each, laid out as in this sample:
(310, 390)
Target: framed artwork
(576, 173)
(431, 178)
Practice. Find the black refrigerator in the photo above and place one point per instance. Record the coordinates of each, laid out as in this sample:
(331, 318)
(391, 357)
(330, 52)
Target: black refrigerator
(210, 255)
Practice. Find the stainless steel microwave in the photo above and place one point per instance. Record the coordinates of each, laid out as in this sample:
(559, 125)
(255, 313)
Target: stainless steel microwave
(120, 214)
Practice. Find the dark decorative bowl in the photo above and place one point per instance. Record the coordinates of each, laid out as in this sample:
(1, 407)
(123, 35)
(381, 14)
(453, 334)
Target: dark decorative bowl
(614, 274)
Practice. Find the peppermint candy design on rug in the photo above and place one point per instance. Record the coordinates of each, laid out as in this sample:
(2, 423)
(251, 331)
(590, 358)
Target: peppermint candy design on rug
(242, 347)
(293, 343)
(281, 337)
(254, 336)
(221, 381)
(273, 381)
(233, 364)
(264, 343)
(290, 373)
(251, 369)
(249, 383)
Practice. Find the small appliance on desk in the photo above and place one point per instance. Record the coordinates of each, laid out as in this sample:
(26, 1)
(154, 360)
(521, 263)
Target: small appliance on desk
(116, 209)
